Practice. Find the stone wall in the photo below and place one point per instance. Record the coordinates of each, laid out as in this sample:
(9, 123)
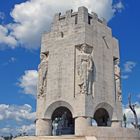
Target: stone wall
(104, 133)
(94, 134)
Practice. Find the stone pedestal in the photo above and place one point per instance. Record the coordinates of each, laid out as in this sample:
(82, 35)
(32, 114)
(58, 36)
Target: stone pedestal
(81, 124)
(43, 127)
(116, 123)
(94, 133)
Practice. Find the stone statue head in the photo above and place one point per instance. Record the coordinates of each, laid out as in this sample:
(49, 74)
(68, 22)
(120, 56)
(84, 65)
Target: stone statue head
(42, 56)
(56, 119)
(117, 62)
(60, 119)
(86, 48)
(83, 48)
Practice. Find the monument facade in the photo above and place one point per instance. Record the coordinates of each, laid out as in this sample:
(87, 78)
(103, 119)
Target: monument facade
(79, 81)
(79, 75)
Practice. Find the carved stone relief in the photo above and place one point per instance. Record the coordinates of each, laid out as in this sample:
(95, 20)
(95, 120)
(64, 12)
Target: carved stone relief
(42, 73)
(117, 80)
(85, 68)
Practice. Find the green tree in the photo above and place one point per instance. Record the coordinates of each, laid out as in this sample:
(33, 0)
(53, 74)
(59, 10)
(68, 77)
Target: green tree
(125, 120)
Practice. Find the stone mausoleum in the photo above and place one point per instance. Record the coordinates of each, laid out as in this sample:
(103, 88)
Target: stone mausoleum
(79, 74)
(79, 81)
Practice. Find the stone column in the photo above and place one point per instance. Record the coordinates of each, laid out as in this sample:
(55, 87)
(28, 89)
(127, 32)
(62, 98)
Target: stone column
(81, 124)
(43, 127)
(115, 122)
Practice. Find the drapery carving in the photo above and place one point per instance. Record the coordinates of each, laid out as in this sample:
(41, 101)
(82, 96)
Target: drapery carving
(85, 68)
(117, 79)
(42, 73)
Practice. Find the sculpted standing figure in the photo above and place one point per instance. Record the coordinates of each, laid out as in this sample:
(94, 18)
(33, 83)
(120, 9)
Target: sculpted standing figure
(90, 74)
(55, 127)
(42, 72)
(85, 70)
(64, 120)
(117, 80)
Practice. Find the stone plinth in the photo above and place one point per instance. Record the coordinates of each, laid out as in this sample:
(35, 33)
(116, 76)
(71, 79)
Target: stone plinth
(51, 138)
(94, 133)
(81, 124)
(43, 127)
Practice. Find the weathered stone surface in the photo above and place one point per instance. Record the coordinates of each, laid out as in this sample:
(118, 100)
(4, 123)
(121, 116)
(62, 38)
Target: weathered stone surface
(79, 70)
(51, 138)
(100, 133)
(80, 73)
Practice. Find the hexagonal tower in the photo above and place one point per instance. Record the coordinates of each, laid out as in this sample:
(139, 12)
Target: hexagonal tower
(79, 75)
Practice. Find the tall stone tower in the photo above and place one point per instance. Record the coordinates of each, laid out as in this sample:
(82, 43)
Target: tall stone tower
(79, 75)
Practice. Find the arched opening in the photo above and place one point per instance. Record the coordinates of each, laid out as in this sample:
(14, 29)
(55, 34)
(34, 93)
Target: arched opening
(101, 117)
(62, 122)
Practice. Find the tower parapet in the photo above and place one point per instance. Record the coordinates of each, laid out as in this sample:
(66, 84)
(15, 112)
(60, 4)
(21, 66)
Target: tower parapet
(82, 16)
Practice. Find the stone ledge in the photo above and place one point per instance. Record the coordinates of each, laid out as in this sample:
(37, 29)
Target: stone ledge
(93, 133)
(109, 133)
(50, 138)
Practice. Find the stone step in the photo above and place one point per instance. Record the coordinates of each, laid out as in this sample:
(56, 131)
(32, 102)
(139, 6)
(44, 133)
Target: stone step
(50, 138)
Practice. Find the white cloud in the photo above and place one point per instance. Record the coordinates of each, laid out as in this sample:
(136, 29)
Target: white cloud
(28, 82)
(6, 38)
(33, 17)
(119, 6)
(28, 129)
(125, 76)
(17, 113)
(12, 60)
(2, 15)
(128, 68)
(130, 116)
(16, 119)
(1, 138)
(6, 131)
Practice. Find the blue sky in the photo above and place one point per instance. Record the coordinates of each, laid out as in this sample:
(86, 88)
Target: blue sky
(21, 24)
